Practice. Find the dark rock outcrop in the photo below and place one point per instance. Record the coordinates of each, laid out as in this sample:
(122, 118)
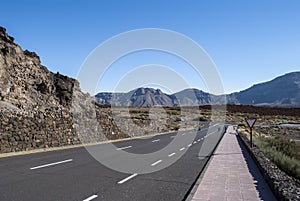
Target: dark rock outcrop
(63, 88)
(4, 36)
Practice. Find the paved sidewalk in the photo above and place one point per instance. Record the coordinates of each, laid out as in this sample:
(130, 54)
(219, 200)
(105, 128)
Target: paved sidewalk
(232, 175)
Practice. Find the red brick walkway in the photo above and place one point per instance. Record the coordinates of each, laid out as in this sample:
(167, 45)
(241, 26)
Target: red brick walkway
(232, 175)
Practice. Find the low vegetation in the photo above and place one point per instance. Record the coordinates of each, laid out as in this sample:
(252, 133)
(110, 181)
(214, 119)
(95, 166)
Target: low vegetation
(282, 152)
(285, 153)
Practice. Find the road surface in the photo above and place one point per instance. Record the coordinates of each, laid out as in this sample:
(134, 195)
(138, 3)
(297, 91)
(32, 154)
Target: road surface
(73, 174)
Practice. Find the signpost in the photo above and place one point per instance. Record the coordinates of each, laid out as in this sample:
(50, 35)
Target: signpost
(250, 123)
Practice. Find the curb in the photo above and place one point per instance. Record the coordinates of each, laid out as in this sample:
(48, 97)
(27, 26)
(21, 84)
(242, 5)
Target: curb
(261, 170)
(272, 184)
(189, 195)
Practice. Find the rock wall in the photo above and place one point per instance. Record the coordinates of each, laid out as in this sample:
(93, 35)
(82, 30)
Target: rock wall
(42, 129)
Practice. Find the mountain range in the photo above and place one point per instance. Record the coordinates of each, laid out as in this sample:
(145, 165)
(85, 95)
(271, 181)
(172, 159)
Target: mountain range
(283, 91)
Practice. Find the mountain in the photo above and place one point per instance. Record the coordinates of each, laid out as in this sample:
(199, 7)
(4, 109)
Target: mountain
(149, 97)
(281, 91)
(192, 97)
(141, 97)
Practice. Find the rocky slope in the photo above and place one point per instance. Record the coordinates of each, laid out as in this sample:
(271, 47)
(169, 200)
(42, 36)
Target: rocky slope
(25, 83)
(34, 102)
(283, 90)
(38, 108)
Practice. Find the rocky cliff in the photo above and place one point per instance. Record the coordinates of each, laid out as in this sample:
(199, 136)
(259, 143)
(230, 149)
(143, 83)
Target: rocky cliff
(25, 83)
(34, 102)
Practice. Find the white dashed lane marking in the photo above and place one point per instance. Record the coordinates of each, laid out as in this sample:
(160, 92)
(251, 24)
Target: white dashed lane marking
(153, 164)
(122, 148)
(91, 198)
(51, 164)
(156, 140)
(127, 178)
(172, 154)
(183, 148)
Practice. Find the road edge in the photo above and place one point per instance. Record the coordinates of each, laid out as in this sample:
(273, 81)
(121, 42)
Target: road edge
(189, 195)
(34, 151)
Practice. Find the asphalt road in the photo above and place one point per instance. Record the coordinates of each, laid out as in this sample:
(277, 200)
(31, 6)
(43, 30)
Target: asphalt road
(73, 174)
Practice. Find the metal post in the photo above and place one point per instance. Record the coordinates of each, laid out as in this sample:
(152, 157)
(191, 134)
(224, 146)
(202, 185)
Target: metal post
(251, 143)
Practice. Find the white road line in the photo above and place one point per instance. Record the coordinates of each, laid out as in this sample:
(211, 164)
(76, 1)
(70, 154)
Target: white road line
(172, 136)
(172, 154)
(189, 145)
(122, 148)
(91, 198)
(182, 149)
(127, 178)
(212, 133)
(153, 164)
(51, 164)
(156, 140)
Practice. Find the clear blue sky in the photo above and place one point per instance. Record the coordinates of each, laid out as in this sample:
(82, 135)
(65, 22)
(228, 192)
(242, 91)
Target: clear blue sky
(249, 41)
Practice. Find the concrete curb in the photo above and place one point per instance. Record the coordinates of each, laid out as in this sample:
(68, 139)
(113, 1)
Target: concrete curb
(192, 190)
(265, 175)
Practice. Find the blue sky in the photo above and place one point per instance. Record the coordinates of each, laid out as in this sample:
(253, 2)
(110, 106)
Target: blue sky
(249, 41)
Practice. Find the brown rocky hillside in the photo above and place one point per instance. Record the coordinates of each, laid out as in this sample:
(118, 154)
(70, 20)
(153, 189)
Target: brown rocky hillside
(35, 104)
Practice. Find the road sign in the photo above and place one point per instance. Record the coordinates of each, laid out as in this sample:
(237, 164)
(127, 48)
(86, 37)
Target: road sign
(250, 122)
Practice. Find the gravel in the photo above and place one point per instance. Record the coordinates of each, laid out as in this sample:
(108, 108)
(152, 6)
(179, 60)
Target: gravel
(284, 187)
